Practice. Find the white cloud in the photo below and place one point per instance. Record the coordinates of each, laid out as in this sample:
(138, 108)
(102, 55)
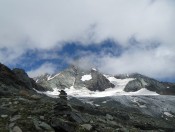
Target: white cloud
(45, 24)
(157, 62)
(146, 62)
(44, 68)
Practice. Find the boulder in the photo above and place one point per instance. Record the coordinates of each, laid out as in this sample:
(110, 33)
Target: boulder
(16, 129)
(42, 126)
(87, 127)
(14, 118)
(4, 116)
(78, 117)
(109, 117)
(61, 125)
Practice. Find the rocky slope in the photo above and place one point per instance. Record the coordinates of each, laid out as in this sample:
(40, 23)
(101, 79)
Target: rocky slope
(22, 109)
(33, 112)
(13, 81)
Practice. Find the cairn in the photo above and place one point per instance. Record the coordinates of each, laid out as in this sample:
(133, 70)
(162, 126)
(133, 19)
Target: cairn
(61, 107)
(63, 95)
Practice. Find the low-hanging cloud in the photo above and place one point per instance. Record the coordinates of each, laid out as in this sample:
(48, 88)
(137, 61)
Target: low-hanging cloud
(43, 25)
(157, 62)
(44, 68)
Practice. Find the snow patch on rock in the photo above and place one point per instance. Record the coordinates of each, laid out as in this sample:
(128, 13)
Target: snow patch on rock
(50, 77)
(86, 77)
(94, 69)
(53, 94)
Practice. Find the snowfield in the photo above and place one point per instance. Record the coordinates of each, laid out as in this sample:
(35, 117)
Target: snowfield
(116, 91)
(146, 101)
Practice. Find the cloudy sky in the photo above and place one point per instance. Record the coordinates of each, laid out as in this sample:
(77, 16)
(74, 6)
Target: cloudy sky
(115, 36)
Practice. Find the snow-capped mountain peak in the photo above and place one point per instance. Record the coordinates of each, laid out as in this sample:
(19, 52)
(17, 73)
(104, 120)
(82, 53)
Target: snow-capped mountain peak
(91, 83)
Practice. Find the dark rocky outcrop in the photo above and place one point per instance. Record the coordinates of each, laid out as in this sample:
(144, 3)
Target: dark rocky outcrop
(142, 81)
(170, 88)
(23, 77)
(11, 81)
(30, 83)
(8, 77)
(134, 85)
(98, 82)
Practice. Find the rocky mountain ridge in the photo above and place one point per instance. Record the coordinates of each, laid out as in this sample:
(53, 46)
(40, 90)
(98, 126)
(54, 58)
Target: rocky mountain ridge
(151, 84)
(11, 81)
(73, 77)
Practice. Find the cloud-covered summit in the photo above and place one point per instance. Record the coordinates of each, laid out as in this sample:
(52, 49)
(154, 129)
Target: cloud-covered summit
(142, 29)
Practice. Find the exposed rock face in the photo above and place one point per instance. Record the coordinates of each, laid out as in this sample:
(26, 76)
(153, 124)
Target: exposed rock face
(8, 77)
(98, 82)
(72, 77)
(23, 77)
(41, 78)
(170, 88)
(151, 84)
(142, 82)
(11, 81)
(134, 85)
(61, 80)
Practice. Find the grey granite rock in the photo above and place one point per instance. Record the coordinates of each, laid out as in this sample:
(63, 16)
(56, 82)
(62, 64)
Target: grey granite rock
(87, 126)
(133, 86)
(142, 81)
(72, 76)
(98, 82)
(16, 129)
